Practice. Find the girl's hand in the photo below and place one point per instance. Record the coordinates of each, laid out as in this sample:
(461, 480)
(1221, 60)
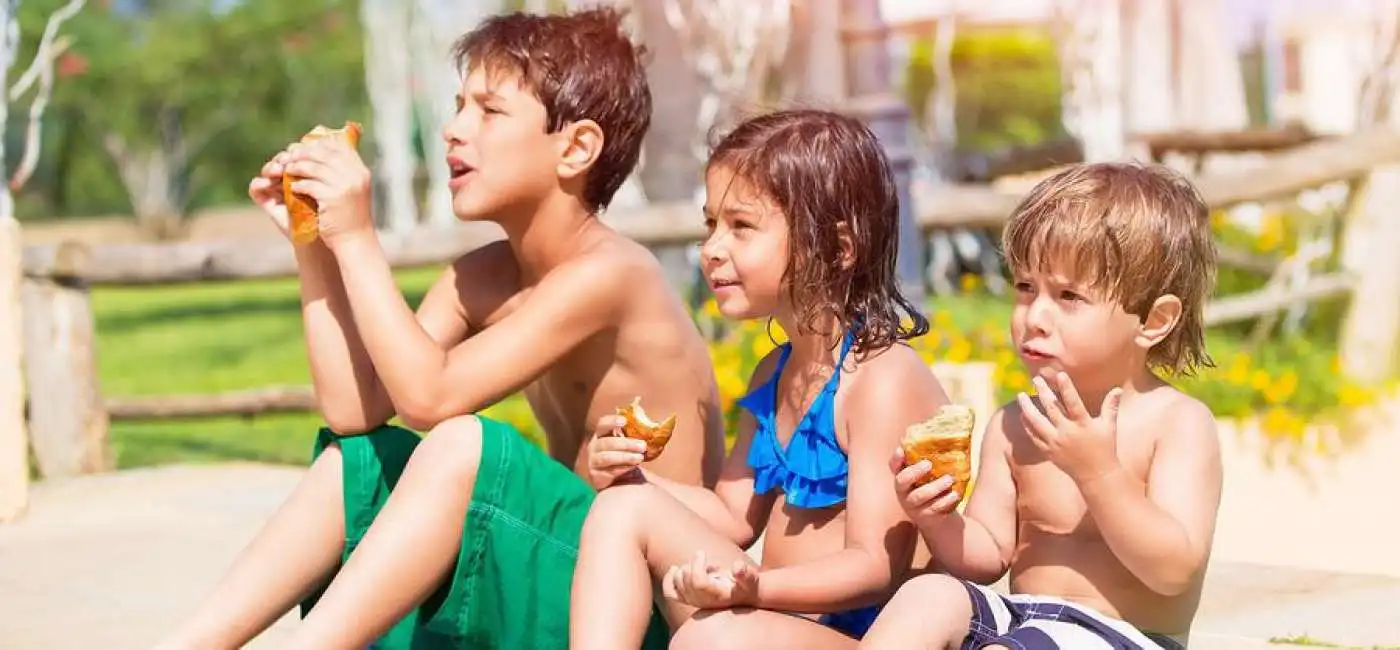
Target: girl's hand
(924, 504)
(613, 458)
(706, 586)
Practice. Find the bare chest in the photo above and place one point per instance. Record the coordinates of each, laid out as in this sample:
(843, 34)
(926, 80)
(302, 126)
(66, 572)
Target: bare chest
(1049, 501)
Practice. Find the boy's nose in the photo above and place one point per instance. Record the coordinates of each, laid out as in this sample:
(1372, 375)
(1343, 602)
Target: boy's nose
(1038, 317)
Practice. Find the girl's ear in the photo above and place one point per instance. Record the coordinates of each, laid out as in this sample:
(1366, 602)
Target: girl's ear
(848, 245)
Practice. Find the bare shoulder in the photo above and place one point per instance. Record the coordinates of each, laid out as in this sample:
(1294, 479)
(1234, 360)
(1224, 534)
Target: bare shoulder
(1176, 419)
(893, 378)
(483, 280)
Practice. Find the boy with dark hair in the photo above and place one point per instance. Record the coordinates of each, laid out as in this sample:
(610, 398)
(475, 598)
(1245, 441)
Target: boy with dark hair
(468, 539)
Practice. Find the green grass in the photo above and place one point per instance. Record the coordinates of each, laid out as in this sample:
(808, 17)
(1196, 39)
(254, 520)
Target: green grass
(206, 338)
(214, 337)
(1305, 640)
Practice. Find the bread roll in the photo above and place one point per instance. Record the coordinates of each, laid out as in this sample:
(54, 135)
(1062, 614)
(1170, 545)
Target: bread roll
(945, 440)
(640, 427)
(301, 209)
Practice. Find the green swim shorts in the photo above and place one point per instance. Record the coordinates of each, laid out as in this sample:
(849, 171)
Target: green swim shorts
(510, 587)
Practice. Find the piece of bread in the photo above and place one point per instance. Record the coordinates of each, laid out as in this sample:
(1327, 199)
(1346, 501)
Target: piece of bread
(301, 209)
(945, 440)
(641, 427)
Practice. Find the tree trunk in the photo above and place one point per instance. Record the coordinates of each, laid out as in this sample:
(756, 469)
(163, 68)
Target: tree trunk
(66, 414)
(14, 440)
(1091, 53)
(1370, 340)
(387, 77)
(872, 98)
(152, 178)
(436, 26)
(14, 447)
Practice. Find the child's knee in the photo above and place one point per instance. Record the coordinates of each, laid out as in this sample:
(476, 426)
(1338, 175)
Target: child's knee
(454, 444)
(933, 588)
(621, 507)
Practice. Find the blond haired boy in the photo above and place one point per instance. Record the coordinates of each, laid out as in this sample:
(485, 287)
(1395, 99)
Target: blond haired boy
(1100, 493)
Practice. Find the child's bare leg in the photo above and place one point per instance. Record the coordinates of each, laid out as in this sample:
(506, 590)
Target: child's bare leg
(409, 548)
(931, 611)
(293, 554)
(741, 629)
(633, 533)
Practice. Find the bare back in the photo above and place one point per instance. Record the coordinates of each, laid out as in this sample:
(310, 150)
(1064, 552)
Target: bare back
(652, 350)
(1060, 550)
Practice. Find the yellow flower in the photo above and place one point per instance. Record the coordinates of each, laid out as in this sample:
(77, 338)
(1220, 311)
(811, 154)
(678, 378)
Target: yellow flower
(1005, 357)
(762, 345)
(1259, 380)
(1238, 373)
(1017, 381)
(1282, 389)
(970, 282)
(1352, 395)
(942, 319)
(710, 308)
(960, 351)
(1282, 422)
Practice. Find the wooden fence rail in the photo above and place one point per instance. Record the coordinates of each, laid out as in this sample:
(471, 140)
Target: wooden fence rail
(69, 415)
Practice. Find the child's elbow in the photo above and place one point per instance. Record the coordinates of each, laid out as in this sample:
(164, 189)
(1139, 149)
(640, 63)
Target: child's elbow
(420, 417)
(1175, 581)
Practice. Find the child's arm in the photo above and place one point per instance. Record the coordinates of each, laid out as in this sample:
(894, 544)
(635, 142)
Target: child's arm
(879, 540)
(349, 392)
(1161, 531)
(732, 508)
(977, 544)
(428, 384)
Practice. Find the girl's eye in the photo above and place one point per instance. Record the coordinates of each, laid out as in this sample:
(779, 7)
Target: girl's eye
(1023, 287)
(709, 224)
(1070, 296)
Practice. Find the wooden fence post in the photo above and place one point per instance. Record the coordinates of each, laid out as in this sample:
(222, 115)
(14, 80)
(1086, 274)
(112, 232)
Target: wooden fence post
(66, 415)
(14, 444)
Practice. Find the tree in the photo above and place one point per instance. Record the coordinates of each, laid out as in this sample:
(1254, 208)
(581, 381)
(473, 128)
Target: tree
(1370, 341)
(178, 78)
(14, 451)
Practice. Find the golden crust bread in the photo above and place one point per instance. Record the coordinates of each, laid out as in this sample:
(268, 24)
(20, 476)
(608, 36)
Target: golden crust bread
(945, 440)
(301, 209)
(640, 427)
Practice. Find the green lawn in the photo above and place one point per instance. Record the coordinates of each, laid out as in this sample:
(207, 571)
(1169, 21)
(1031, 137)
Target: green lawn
(207, 338)
(213, 337)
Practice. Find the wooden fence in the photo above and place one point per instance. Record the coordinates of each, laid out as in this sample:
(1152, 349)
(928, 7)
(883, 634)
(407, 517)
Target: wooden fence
(69, 416)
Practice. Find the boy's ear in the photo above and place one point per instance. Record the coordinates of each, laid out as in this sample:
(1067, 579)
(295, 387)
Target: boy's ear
(848, 245)
(582, 143)
(1161, 319)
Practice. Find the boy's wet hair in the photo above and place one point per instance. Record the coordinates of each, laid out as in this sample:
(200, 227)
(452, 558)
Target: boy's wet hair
(825, 170)
(1131, 232)
(581, 66)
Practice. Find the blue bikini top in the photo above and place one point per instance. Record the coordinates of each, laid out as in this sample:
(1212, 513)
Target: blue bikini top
(812, 470)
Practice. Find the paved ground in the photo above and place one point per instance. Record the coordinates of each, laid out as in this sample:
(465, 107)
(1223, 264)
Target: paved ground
(112, 561)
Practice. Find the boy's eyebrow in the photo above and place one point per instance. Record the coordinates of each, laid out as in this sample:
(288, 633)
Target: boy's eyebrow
(485, 95)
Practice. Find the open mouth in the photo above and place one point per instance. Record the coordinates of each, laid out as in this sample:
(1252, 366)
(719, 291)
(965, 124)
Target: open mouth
(457, 168)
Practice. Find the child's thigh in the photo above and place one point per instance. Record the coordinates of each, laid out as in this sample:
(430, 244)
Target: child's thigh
(669, 534)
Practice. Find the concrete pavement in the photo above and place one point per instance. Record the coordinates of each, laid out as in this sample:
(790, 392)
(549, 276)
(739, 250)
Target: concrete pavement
(112, 561)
